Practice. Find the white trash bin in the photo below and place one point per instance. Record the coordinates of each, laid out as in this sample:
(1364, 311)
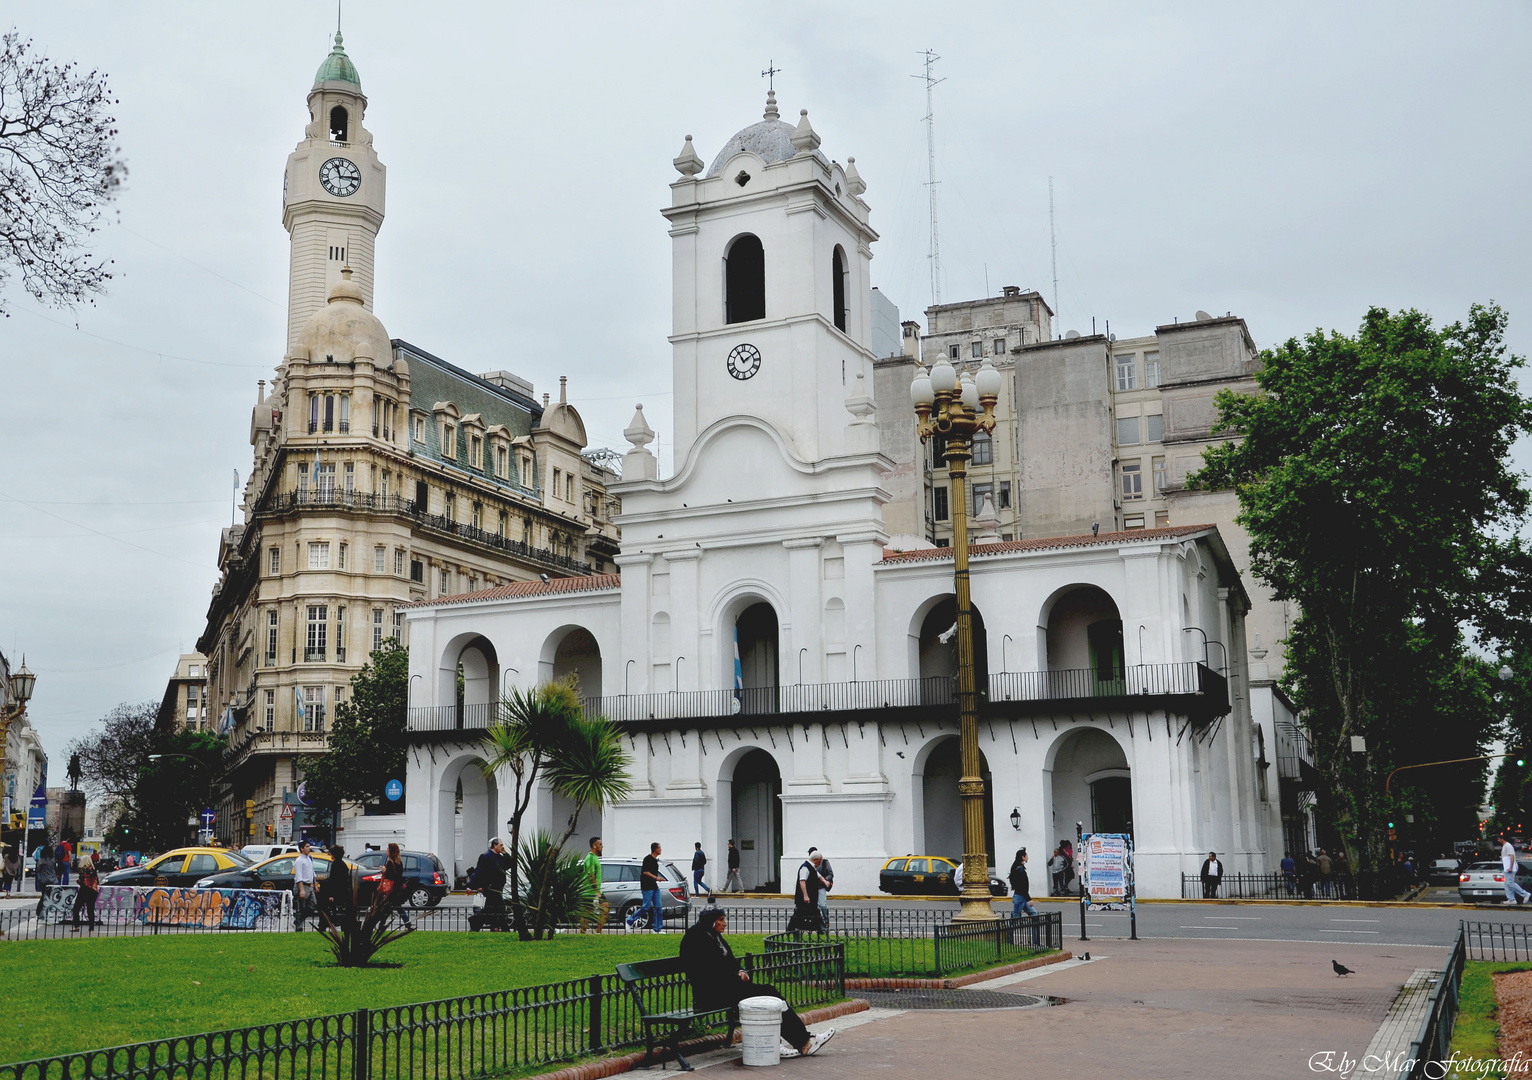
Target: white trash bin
(760, 1027)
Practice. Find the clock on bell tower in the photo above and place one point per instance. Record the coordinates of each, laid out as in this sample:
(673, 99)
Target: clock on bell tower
(332, 193)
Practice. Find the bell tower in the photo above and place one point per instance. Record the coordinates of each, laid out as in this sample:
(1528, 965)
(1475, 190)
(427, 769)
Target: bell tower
(771, 252)
(332, 193)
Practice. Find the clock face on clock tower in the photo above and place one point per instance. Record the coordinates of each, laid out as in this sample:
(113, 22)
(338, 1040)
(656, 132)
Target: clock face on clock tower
(340, 177)
(744, 361)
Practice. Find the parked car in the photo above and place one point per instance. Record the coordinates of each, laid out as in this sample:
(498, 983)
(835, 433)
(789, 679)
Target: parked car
(1483, 881)
(927, 875)
(261, 852)
(276, 873)
(183, 867)
(425, 877)
(620, 888)
(1445, 871)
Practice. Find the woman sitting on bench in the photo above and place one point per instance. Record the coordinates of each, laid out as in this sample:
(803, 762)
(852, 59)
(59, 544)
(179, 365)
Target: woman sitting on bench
(718, 981)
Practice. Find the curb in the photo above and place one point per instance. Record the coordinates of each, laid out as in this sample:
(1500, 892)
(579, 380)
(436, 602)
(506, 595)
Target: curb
(961, 980)
(612, 1066)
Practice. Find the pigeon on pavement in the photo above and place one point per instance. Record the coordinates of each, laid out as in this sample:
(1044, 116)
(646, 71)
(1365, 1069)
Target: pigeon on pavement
(1340, 968)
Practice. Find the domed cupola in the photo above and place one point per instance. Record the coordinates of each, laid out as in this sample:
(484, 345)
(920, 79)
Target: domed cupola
(344, 329)
(337, 67)
(771, 140)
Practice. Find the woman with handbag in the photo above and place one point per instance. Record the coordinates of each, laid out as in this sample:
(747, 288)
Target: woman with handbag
(391, 886)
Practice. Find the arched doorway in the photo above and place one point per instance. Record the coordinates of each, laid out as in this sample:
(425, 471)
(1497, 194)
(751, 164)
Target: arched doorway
(942, 807)
(470, 680)
(755, 635)
(468, 806)
(938, 657)
(578, 654)
(756, 814)
(1092, 785)
(1084, 637)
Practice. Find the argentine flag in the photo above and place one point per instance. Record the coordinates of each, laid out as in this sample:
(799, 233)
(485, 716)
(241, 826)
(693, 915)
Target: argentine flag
(301, 713)
(739, 674)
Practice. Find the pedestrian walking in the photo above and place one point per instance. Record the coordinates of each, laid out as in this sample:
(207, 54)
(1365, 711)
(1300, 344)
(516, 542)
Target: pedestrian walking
(47, 874)
(13, 872)
(335, 896)
(717, 980)
(1067, 849)
(806, 896)
(488, 877)
(89, 889)
(1289, 872)
(1509, 864)
(699, 864)
(1212, 875)
(1021, 891)
(305, 897)
(1326, 881)
(600, 910)
(61, 857)
(826, 879)
(649, 888)
(391, 887)
(735, 883)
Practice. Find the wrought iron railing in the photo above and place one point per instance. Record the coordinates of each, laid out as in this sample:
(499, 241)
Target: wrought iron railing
(1431, 1048)
(280, 502)
(450, 1039)
(1141, 679)
(924, 943)
(1497, 941)
(1275, 886)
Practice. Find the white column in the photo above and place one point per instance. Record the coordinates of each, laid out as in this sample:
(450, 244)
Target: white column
(635, 623)
(807, 598)
(684, 622)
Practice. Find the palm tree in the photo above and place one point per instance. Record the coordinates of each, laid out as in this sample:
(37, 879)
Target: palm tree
(543, 733)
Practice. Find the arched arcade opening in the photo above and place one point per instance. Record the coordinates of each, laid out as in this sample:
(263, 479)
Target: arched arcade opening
(755, 816)
(467, 809)
(1092, 785)
(941, 817)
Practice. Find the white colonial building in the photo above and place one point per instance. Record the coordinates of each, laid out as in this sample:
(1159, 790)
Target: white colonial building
(769, 545)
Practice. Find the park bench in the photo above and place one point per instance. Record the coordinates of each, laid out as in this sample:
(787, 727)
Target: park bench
(681, 1023)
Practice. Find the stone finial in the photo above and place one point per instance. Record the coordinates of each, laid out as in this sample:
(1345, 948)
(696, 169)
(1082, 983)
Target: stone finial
(986, 523)
(687, 162)
(805, 139)
(862, 432)
(771, 112)
(638, 463)
(854, 182)
(1259, 650)
(563, 389)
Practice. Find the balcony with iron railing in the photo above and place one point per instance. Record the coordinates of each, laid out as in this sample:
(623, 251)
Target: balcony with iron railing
(1189, 689)
(372, 502)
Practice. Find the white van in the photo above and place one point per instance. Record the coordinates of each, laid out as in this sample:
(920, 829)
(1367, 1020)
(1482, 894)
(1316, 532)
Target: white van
(260, 852)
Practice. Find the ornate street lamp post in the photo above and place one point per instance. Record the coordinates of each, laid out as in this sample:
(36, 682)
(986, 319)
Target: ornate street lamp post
(954, 408)
(22, 682)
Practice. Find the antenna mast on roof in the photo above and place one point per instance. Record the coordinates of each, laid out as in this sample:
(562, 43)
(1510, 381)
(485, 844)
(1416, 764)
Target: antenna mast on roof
(1053, 239)
(935, 255)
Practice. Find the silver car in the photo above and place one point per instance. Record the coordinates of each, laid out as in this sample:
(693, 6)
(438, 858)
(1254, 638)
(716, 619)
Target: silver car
(620, 887)
(1485, 881)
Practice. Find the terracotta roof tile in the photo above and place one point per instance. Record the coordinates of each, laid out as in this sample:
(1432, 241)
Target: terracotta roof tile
(583, 583)
(1127, 536)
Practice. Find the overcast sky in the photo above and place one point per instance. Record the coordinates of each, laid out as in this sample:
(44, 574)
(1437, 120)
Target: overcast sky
(1293, 165)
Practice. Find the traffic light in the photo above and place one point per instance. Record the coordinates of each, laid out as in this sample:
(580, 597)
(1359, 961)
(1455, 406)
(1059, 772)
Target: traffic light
(1520, 761)
(269, 830)
(249, 808)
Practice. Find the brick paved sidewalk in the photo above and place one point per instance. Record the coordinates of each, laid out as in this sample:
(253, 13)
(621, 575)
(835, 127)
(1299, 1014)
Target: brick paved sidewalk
(1150, 1009)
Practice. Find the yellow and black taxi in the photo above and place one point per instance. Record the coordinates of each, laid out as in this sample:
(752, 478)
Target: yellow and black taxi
(926, 875)
(181, 868)
(273, 873)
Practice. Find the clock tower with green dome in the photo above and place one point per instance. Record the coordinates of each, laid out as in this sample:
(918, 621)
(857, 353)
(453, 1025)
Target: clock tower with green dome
(332, 193)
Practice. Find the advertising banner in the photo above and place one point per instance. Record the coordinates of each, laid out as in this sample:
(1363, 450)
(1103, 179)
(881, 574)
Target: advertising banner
(1106, 870)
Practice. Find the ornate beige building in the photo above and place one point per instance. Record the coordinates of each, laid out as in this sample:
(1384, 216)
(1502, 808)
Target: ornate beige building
(382, 475)
(185, 704)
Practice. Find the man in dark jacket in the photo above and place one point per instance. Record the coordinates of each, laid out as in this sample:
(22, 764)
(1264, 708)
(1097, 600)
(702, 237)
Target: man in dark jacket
(734, 883)
(717, 980)
(1212, 875)
(489, 878)
(806, 895)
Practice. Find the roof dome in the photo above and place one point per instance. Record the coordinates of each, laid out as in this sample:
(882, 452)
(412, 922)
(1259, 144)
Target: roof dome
(771, 140)
(343, 329)
(337, 67)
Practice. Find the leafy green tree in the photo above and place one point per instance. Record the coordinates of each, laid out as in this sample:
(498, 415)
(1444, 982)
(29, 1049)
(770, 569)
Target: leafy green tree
(544, 734)
(367, 739)
(1374, 479)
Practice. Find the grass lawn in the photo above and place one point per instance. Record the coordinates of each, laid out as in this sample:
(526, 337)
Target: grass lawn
(81, 994)
(1476, 1033)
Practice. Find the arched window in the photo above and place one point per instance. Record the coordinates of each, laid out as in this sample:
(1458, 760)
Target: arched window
(838, 277)
(340, 124)
(745, 280)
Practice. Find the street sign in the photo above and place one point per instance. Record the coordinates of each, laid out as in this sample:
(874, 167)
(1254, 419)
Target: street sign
(207, 817)
(394, 790)
(303, 795)
(287, 812)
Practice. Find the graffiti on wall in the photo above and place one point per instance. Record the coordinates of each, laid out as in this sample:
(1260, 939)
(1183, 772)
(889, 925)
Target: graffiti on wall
(163, 905)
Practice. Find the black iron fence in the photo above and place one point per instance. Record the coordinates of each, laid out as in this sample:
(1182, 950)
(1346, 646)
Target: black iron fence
(1432, 1046)
(476, 1035)
(891, 943)
(1276, 886)
(1497, 941)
